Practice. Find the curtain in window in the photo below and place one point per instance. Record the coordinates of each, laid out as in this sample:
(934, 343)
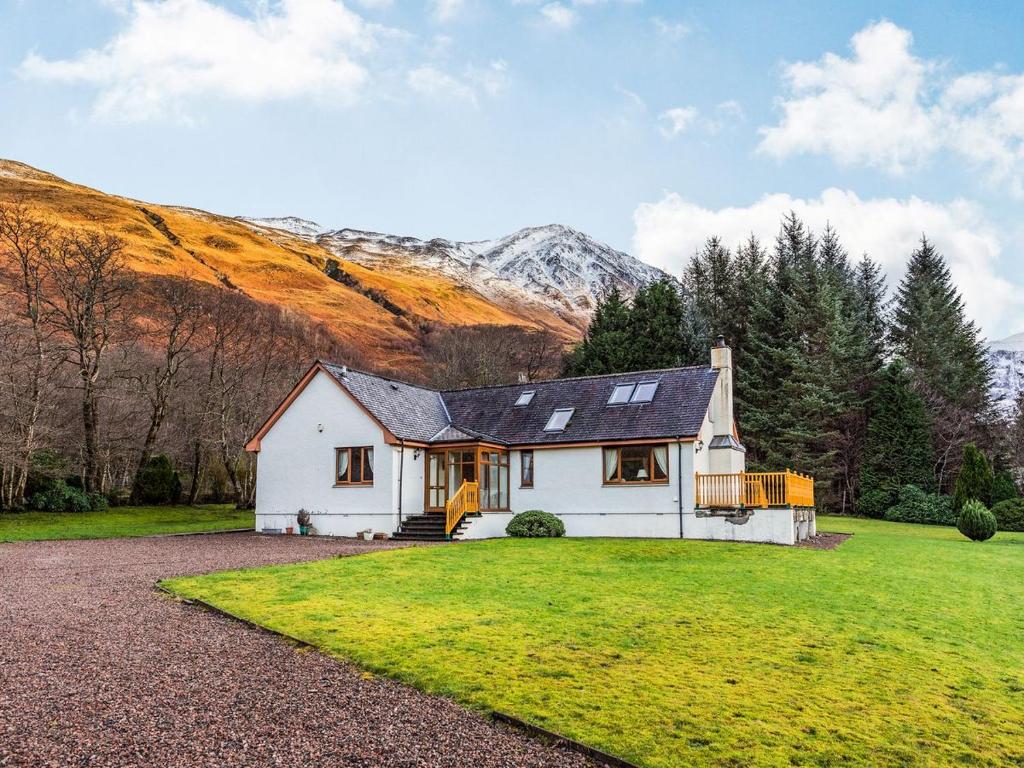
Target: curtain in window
(368, 471)
(611, 463)
(527, 459)
(342, 464)
(661, 461)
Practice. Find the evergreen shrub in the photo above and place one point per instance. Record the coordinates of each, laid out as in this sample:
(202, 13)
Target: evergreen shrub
(157, 483)
(976, 522)
(535, 524)
(916, 506)
(1009, 515)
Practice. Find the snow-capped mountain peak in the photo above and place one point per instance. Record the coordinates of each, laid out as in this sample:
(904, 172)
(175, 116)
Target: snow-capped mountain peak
(1007, 358)
(554, 265)
(304, 228)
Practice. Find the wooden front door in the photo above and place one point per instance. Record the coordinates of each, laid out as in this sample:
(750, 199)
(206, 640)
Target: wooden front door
(437, 474)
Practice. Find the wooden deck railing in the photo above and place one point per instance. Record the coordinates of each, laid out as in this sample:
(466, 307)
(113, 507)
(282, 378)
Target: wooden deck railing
(465, 501)
(755, 489)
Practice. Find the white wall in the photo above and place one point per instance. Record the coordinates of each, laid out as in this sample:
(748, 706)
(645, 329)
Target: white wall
(568, 483)
(296, 467)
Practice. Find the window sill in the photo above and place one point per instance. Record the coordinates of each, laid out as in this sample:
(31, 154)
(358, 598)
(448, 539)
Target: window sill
(353, 485)
(635, 483)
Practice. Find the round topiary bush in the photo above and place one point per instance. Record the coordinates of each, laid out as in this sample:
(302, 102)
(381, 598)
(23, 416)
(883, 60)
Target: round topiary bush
(976, 522)
(1009, 515)
(535, 524)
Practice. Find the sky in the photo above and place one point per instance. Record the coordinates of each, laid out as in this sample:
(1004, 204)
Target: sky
(648, 124)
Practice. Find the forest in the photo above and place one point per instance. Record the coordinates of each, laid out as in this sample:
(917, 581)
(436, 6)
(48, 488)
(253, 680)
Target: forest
(882, 396)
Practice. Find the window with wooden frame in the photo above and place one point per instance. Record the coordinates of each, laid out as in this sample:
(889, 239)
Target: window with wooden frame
(526, 469)
(493, 480)
(353, 466)
(635, 464)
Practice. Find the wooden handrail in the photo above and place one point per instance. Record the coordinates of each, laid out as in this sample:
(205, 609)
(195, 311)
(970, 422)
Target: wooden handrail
(465, 501)
(755, 490)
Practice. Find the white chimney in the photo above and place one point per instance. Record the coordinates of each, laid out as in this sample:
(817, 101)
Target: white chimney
(721, 403)
(726, 454)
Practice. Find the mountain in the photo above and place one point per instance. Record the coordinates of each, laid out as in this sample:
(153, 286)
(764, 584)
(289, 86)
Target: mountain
(1007, 358)
(375, 293)
(556, 266)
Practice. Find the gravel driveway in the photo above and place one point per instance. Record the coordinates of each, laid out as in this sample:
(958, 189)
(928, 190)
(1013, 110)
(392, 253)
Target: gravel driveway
(98, 669)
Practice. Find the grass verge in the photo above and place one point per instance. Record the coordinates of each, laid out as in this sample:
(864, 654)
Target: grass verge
(122, 522)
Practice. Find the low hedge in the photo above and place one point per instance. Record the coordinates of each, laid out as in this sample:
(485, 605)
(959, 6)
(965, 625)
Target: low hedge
(59, 496)
(535, 524)
(916, 506)
(1009, 515)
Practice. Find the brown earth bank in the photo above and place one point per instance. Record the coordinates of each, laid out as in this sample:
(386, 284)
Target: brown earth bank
(379, 315)
(97, 668)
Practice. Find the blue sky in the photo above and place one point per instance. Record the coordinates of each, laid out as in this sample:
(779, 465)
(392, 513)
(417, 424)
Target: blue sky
(650, 125)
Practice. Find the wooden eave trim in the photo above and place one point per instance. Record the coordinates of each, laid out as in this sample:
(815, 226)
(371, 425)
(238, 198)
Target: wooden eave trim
(609, 443)
(253, 446)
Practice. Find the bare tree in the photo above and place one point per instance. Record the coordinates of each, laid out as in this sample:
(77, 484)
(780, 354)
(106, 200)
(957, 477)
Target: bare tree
(91, 286)
(175, 332)
(483, 355)
(25, 243)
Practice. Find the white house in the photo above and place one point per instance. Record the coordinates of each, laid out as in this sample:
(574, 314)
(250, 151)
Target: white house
(644, 454)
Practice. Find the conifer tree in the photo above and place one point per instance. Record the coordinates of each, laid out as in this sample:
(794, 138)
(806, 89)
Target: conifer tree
(663, 328)
(974, 480)
(606, 347)
(944, 352)
(898, 450)
(710, 280)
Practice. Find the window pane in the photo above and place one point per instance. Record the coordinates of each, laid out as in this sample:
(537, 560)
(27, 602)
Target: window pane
(525, 398)
(527, 459)
(343, 465)
(356, 468)
(503, 487)
(660, 462)
(644, 392)
(634, 464)
(559, 419)
(368, 465)
(621, 394)
(611, 463)
(492, 487)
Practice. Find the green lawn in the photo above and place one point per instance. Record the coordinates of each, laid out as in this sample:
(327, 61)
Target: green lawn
(122, 521)
(905, 646)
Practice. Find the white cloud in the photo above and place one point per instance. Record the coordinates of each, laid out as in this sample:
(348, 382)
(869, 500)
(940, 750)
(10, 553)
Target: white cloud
(559, 16)
(475, 82)
(676, 120)
(884, 107)
(668, 232)
(446, 10)
(174, 51)
(671, 30)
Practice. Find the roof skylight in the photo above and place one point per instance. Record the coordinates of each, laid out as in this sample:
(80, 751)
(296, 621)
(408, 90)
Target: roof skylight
(644, 392)
(621, 394)
(526, 397)
(559, 419)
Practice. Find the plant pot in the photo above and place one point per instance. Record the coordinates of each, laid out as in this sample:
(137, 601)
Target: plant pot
(304, 530)
(367, 535)
(290, 530)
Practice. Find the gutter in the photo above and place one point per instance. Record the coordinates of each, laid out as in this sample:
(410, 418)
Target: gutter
(679, 461)
(401, 471)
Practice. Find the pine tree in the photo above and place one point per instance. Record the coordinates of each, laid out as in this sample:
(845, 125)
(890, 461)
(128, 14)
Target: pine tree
(710, 280)
(974, 480)
(898, 450)
(664, 328)
(606, 347)
(945, 354)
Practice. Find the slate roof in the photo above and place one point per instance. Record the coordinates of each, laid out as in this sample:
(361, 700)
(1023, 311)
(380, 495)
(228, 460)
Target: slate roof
(489, 413)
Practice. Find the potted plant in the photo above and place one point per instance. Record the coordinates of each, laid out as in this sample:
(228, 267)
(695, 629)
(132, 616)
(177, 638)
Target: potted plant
(368, 535)
(304, 523)
(290, 530)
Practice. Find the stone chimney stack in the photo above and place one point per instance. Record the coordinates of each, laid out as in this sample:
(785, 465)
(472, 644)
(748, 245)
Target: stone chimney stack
(721, 403)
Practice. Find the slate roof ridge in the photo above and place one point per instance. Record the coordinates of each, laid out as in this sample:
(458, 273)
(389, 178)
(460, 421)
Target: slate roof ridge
(529, 384)
(388, 379)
